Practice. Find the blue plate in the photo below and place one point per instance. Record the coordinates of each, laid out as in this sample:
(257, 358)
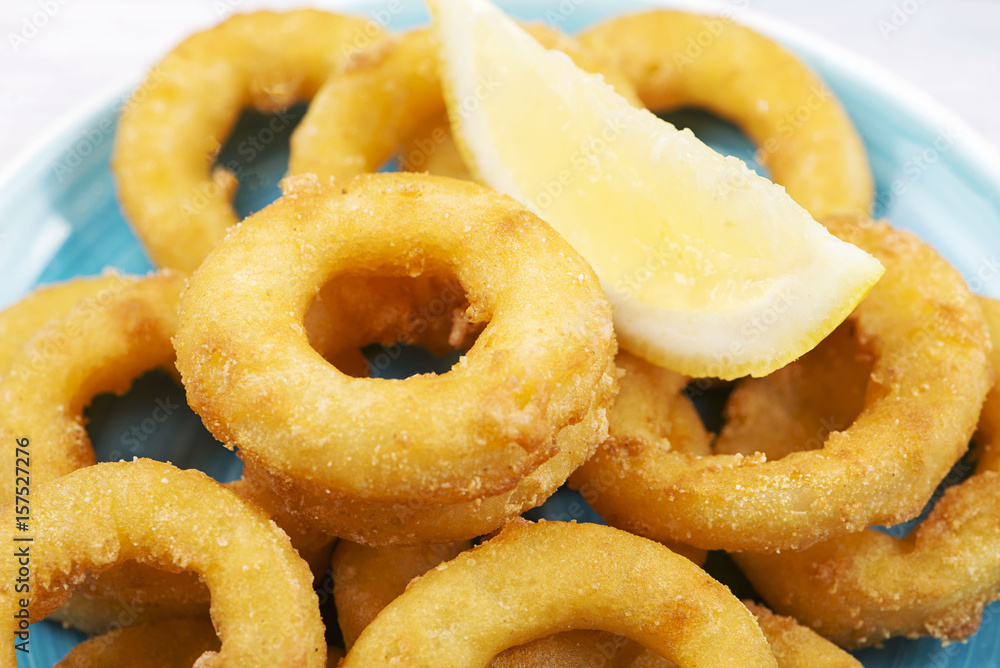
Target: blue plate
(59, 219)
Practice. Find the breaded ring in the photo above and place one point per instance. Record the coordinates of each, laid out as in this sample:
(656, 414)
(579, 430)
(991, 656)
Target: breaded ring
(366, 579)
(862, 589)
(132, 593)
(101, 515)
(805, 137)
(534, 386)
(102, 344)
(177, 120)
(533, 580)
(361, 118)
(929, 379)
(106, 312)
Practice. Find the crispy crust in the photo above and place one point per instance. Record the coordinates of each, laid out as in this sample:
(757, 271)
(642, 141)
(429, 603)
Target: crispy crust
(533, 580)
(102, 342)
(417, 521)
(132, 593)
(365, 580)
(23, 319)
(105, 514)
(542, 367)
(174, 124)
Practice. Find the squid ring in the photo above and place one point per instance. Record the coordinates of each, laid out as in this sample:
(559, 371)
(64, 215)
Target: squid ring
(95, 335)
(805, 138)
(102, 344)
(152, 512)
(533, 580)
(365, 580)
(862, 589)
(360, 118)
(174, 124)
(543, 365)
(132, 593)
(930, 376)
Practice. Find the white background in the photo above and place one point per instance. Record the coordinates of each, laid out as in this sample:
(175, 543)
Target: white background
(948, 48)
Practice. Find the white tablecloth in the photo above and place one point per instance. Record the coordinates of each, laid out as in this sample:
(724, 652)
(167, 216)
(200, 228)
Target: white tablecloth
(55, 54)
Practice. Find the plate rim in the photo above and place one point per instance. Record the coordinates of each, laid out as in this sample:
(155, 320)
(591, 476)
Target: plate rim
(971, 143)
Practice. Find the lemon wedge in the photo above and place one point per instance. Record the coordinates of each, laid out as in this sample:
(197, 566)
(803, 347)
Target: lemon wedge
(712, 270)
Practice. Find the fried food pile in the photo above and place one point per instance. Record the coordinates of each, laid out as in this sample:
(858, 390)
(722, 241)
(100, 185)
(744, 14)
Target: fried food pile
(401, 499)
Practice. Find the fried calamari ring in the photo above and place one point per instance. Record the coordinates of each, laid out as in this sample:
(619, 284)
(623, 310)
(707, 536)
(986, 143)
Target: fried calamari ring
(805, 137)
(533, 389)
(862, 589)
(106, 331)
(176, 121)
(102, 344)
(651, 411)
(133, 593)
(533, 580)
(172, 643)
(360, 118)
(929, 378)
(357, 309)
(794, 646)
(366, 579)
(101, 515)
